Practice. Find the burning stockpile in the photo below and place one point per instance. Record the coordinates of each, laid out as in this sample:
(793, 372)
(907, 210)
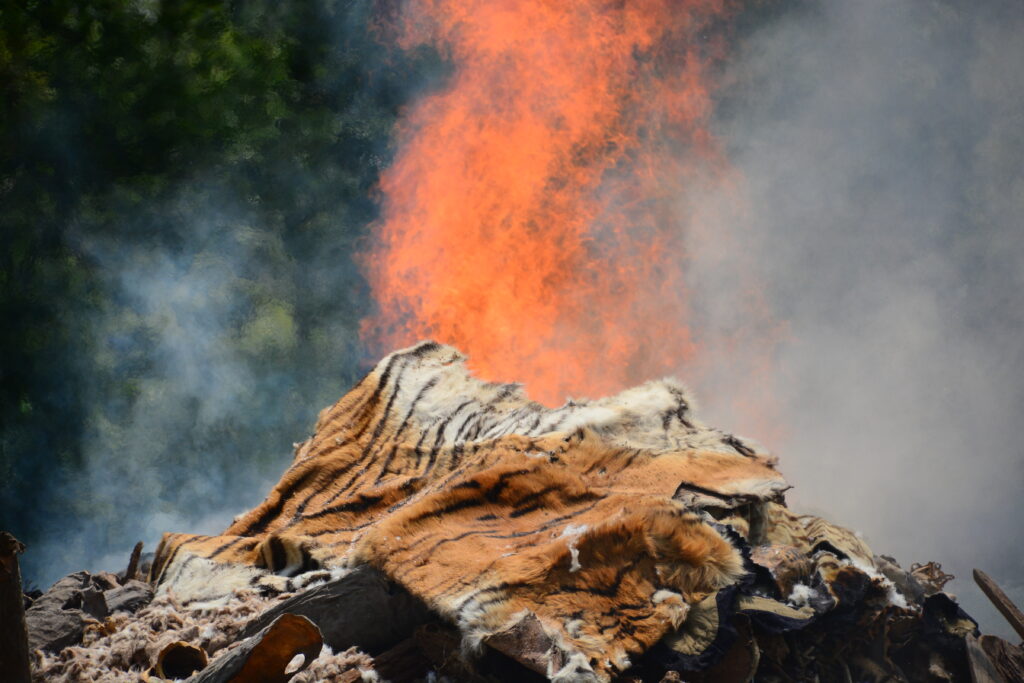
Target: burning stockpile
(437, 525)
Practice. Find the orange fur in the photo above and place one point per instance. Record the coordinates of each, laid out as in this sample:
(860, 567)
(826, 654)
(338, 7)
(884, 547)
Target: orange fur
(460, 491)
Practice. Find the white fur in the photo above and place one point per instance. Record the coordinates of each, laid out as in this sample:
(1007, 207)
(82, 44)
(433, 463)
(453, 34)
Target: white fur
(893, 593)
(202, 584)
(576, 670)
(633, 418)
(573, 533)
(801, 595)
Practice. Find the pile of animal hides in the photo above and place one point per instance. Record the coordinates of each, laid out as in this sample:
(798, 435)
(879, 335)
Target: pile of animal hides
(439, 527)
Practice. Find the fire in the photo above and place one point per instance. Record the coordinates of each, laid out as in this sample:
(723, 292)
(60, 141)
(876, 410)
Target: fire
(533, 215)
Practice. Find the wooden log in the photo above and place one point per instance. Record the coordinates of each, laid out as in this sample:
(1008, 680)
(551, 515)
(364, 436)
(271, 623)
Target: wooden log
(362, 609)
(1002, 602)
(13, 632)
(264, 657)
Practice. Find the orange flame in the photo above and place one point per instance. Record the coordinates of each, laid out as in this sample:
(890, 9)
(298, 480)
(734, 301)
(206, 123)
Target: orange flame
(533, 214)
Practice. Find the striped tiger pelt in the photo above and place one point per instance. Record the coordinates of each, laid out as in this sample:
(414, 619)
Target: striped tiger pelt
(592, 516)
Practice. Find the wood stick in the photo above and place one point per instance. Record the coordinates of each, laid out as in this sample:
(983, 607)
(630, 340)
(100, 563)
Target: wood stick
(1001, 601)
(13, 633)
(132, 572)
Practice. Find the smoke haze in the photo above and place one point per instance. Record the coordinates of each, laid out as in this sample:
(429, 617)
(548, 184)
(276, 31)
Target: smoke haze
(880, 149)
(878, 197)
(183, 203)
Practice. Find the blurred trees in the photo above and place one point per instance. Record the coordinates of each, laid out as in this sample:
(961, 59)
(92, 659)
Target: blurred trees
(182, 185)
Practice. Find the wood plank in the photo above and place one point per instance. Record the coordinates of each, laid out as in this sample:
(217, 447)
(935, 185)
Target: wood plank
(1002, 601)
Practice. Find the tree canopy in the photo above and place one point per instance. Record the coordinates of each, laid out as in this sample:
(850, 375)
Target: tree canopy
(182, 186)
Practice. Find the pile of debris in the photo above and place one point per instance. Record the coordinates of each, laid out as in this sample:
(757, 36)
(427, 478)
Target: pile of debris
(439, 526)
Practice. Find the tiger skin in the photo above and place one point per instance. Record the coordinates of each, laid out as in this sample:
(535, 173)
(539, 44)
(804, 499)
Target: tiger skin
(593, 516)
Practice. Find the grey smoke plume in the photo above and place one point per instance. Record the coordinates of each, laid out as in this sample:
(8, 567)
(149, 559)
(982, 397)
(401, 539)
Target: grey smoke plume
(207, 360)
(217, 305)
(182, 393)
(881, 146)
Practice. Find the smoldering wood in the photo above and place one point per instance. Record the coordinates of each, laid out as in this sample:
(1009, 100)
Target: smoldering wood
(363, 609)
(264, 656)
(1001, 600)
(13, 629)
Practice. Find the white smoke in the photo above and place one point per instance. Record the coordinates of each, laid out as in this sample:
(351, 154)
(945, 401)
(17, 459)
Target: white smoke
(881, 149)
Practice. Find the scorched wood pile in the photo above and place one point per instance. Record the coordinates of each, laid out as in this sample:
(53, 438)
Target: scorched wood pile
(439, 526)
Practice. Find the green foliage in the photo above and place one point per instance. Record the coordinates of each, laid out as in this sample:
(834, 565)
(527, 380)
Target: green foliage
(182, 185)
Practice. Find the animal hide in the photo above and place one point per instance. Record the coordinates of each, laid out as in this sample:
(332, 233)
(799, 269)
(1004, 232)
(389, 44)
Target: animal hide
(609, 520)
